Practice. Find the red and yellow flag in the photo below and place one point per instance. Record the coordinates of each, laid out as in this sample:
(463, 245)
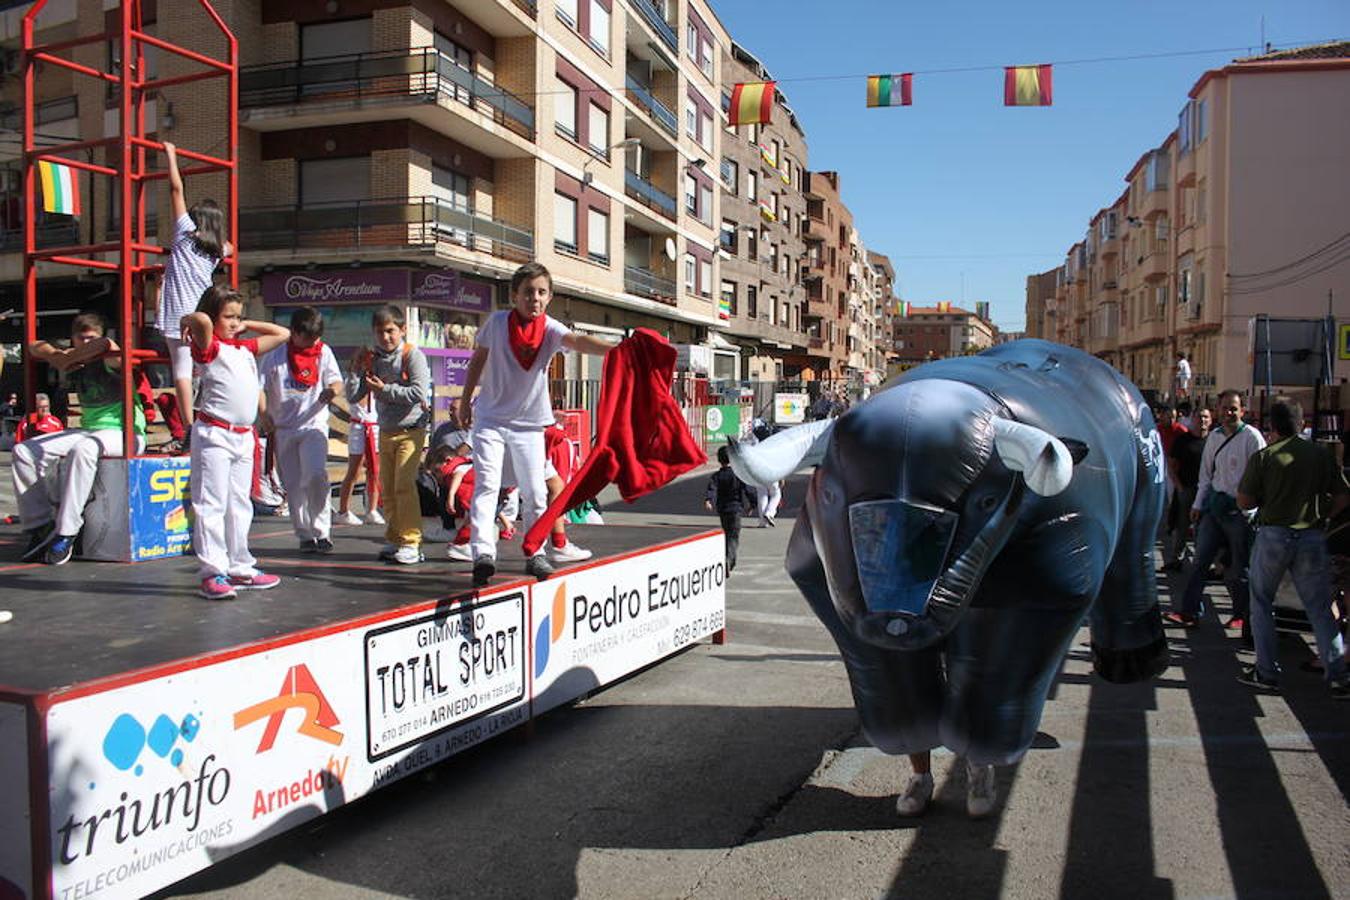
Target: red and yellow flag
(944, 306)
(1027, 86)
(751, 103)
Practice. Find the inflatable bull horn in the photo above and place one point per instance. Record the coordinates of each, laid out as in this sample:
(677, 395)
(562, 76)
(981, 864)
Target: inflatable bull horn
(961, 525)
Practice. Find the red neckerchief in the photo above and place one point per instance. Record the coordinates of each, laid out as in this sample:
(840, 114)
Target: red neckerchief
(304, 362)
(526, 337)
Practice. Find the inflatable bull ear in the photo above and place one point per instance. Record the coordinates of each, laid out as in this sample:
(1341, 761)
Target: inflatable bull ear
(1045, 463)
(779, 456)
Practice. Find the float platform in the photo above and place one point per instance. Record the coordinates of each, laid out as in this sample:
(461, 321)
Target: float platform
(147, 733)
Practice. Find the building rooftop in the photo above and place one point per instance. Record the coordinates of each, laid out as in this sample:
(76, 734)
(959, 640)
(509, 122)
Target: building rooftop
(1329, 50)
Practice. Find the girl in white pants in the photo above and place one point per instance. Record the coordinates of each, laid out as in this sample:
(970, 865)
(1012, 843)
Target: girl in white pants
(222, 440)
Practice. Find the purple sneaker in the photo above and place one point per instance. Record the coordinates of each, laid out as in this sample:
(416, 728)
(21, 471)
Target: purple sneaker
(259, 581)
(217, 587)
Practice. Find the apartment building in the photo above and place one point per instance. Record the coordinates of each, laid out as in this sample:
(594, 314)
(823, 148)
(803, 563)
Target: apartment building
(886, 302)
(763, 210)
(828, 226)
(1040, 303)
(1237, 213)
(940, 331)
(417, 151)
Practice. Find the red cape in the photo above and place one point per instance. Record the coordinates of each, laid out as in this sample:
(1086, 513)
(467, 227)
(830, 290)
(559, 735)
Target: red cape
(642, 440)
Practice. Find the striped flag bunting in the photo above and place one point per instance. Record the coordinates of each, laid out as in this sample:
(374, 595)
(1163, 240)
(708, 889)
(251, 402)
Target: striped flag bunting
(1027, 86)
(724, 307)
(982, 309)
(60, 188)
(751, 103)
(902, 308)
(890, 90)
(944, 306)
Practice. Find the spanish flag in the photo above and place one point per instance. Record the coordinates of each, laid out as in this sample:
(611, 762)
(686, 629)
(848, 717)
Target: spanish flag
(1026, 86)
(60, 188)
(944, 306)
(751, 103)
(890, 90)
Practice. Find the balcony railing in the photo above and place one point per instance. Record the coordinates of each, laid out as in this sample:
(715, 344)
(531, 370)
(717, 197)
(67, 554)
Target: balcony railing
(58, 234)
(646, 283)
(642, 95)
(377, 224)
(423, 72)
(529, 7)
(658, 22)
(648, 194)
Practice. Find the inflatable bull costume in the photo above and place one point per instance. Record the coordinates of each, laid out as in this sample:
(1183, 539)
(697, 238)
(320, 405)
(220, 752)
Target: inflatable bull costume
(961, 524)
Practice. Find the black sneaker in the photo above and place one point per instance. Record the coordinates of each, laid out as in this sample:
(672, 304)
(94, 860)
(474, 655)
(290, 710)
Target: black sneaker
(60, 550)
(38, 539)
(323, 545)
(538, 566)
(484, 567)
(1252, 678)
(309, 546)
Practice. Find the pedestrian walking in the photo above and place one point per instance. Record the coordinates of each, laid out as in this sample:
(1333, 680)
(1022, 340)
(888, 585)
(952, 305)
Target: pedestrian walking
(728, 496)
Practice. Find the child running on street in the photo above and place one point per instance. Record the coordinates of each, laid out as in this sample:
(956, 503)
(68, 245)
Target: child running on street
(397, 375)
(222, 441)
(198, 247)
(300, 379)
(514, 348)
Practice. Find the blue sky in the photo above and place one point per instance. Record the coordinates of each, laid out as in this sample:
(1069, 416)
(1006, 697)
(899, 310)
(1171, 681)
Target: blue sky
(968, 197)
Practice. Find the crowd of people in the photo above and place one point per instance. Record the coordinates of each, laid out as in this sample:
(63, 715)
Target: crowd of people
(1253, 506)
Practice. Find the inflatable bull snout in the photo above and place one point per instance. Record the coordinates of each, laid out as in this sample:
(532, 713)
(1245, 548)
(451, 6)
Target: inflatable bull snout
(959, 527)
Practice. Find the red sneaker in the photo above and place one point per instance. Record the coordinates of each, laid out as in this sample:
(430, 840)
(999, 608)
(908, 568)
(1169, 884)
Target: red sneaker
(1185, 621)
(217, 587)
(259, 581)
(1236, 623)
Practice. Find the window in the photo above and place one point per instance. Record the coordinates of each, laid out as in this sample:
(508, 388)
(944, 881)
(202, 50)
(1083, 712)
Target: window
(451, 187)
(598, 30)
(598, 135)
(564, 223)
(334, 181)
(597, 236)
(690, 272)
(751, 185)
(1201, 120)
(705, 203)
(1156, 178)
(727, 238)
(730, 175)
(751, 301)
(567, 11)
(690, 194)
(705, 278)
(705, 130)
(690, 118)
(729, 296)
(752, 245)
(455, 62)
(565, 108)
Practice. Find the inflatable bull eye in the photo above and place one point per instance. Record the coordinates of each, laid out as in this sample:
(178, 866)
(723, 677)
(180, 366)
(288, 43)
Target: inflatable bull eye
(953, 617)
(900, 550)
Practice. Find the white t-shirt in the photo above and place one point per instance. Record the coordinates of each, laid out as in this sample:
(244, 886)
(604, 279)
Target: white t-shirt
(229, 385)
(1183, 373)
(187, 275)
(512, 396)
(291, 404)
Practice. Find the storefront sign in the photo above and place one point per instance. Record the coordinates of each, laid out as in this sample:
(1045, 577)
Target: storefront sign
(723, 421)
(790, 409)
(445, 288)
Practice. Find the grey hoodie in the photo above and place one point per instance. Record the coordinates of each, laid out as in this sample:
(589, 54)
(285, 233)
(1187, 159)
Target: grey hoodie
(402, 403)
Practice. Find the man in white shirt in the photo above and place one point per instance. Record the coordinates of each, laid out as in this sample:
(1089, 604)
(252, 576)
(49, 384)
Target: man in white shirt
(1181, 378)
(1217, 517)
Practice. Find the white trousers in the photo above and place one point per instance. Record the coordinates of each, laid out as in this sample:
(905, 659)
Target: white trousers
(37, 471)
(222, 475)
(492, 448)
(768, 499)
(302, 461)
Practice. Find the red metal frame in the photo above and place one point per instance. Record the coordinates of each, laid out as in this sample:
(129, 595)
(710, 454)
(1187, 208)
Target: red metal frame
(132, 246)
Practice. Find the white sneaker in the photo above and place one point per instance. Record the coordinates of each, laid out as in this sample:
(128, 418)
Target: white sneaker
(346, 518)
(387, 551)
(980, 790)
(433, 532)
(913, 800)
(459, 553)
(567, 553)
(282, 510)
(374, 518)
(407, 555)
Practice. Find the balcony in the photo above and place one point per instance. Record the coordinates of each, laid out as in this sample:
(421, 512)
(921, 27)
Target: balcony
(1154, 203)
(1110, 246)
(1155, 266)
(1150, 331)
(648, 194)
(417, 223)
(641, 95)
(657, 22)
(428, 86)
(646, 283)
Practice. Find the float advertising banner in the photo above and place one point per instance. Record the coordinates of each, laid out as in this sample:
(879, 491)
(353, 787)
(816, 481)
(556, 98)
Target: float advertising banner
(153, 781)
(598, 624)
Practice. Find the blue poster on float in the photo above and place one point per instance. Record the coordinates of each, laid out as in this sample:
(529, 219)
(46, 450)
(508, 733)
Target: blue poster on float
(160, 523)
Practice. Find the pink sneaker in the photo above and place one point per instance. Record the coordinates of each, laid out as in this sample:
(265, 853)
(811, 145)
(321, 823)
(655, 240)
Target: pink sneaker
(217, 587)
(259, 581)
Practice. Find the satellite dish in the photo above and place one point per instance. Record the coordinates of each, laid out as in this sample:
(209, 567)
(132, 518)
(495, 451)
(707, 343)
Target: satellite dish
(670, 249)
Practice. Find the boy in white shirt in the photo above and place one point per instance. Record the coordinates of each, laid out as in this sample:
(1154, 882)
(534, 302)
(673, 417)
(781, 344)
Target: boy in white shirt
(514, 348)
(300, 379)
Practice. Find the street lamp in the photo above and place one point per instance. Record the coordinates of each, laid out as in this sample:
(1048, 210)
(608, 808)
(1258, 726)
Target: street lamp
(587, 177)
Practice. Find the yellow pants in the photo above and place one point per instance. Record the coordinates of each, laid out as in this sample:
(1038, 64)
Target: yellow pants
(400, 452)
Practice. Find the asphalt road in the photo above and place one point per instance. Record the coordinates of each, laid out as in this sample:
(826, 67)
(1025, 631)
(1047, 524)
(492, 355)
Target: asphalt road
(739, 771)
